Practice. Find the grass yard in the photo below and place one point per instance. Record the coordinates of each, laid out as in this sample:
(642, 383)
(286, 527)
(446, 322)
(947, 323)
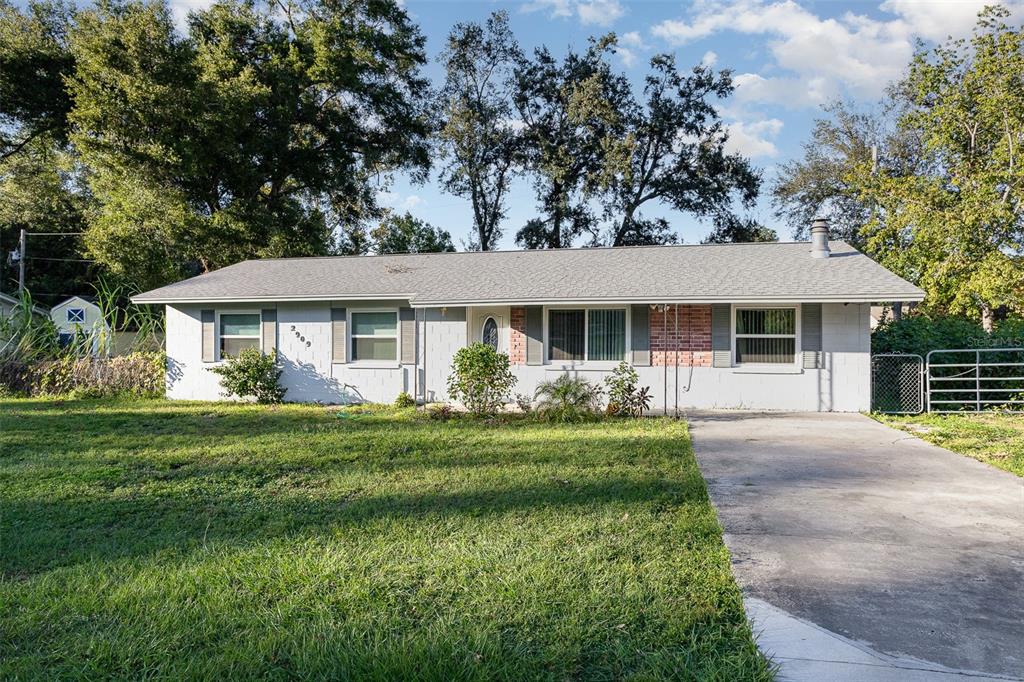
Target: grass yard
(184, 540)
(996, 439)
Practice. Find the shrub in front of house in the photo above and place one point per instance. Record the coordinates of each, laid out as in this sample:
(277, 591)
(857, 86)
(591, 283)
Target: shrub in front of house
(480, 378)
(568, 399)
(252, 374)
(404, 400)
(624, 397)
(920, 334)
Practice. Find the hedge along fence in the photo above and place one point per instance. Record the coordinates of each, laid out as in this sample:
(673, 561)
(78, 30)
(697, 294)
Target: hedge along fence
(138, 375)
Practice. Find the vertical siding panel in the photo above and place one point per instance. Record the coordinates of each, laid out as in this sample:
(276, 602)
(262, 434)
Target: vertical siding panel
(268, 317)
(640, 335)
(534, 335)
(721, 335)
(339, 340)
(810, 335)
(407, 331)
(209, 319)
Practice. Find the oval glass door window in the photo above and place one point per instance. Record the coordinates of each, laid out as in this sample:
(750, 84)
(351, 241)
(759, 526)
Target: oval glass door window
(489, 335)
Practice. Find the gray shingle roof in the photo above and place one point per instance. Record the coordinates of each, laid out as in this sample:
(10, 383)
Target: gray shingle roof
(698, 273)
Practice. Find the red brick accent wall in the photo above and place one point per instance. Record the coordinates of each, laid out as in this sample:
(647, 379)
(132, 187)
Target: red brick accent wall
(689, 344)
(517, 336)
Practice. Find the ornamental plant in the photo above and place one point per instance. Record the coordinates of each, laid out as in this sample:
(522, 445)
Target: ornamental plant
(480, 378)
(252, 374)
(623, 395)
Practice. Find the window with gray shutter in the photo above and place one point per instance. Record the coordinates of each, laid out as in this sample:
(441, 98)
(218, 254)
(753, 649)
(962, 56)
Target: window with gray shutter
(721, 336)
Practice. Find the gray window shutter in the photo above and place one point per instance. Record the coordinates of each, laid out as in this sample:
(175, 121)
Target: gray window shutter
(339, 335)
(534, 335)
(407, 331)
(269, 318)
(640, 334)
(810, 335)
(209, 320)
(721, 335)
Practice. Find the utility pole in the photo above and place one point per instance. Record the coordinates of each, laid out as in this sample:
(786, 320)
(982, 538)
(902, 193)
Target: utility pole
(21, 261)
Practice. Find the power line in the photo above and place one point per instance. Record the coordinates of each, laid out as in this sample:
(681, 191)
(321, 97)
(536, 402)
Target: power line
(63, 260)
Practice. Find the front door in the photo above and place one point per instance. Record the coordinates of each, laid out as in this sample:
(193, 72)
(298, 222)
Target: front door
(490, 326)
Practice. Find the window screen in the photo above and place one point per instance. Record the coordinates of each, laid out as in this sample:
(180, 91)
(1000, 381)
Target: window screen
(765, 335)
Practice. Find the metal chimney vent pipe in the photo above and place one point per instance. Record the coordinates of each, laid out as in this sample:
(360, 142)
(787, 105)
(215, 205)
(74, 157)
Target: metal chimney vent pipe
(819, 238)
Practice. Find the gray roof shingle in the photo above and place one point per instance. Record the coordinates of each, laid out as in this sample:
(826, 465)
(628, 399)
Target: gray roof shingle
(698, 273)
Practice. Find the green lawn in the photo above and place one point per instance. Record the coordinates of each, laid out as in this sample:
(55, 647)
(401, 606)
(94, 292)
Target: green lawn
(185, 540)
(996, 439)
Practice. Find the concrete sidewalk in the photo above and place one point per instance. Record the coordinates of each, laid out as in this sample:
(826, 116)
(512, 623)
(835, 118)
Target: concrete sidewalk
(866, 553)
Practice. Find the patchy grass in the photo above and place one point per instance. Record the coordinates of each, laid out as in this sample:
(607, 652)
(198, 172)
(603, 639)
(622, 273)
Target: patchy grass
(185, 540)
(995, 438)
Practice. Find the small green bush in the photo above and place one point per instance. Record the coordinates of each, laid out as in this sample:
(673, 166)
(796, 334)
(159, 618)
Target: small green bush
(405, 400)
(568, 399)
(441, 412)
(920, 334)
(252, 375)
(480, 378)
(623, 395)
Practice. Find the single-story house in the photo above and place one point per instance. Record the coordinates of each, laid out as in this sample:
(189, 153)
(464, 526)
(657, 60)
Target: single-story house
(759, 326)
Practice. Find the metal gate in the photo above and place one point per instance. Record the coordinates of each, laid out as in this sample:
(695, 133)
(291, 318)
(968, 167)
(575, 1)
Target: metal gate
(975, 379)
(948, 380)
(897, 383)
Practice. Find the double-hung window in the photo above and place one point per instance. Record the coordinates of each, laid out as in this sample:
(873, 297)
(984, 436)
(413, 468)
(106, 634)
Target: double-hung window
(765, 336)
(375, 336)
(238, 331)
(597, 334)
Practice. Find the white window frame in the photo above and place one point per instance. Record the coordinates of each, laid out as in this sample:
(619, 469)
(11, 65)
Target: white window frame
(221, 313)
(797, 352)
(586, 361)
(352, 336)
(81, 315)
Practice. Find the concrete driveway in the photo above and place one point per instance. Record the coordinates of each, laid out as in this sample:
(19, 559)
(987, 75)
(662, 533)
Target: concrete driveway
(865, 553)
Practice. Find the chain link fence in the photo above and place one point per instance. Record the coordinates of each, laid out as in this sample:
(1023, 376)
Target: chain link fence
(897, 383)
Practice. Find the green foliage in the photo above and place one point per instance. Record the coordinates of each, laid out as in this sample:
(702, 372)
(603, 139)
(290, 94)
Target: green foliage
(921, 333)
(25, 336)
(646, 159)
(568, 399)
(34, 61)
(406, 234)
(624, 397)
(482, 151)
(405, 400)
(568, 109)
(254, 135)
(956, 228)
(480, 378)
(731, 229)
(252, 375)
(524, 402)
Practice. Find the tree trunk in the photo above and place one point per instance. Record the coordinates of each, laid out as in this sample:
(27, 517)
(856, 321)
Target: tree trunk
(897, 311)
(987, 317)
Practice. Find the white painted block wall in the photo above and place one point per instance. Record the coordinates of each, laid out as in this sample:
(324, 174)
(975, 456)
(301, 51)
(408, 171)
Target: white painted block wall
(842, 385)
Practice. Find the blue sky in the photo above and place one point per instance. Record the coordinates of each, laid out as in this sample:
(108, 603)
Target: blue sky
(788, 58)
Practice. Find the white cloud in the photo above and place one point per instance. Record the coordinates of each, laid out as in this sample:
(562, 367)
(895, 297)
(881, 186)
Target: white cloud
(825, 56)
(600, 12)
(396, 201)
(589, 12)
(627, 56)
(709, 59)
(181, 8)
(633, 39)
(753, 139)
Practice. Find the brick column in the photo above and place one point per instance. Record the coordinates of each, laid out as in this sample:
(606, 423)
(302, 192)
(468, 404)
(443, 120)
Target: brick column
(690, 343)
(517, 336)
